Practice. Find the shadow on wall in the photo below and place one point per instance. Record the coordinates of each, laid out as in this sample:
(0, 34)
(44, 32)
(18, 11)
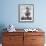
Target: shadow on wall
(2, 26)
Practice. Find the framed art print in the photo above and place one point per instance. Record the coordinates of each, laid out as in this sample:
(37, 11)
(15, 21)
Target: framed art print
(26, 12)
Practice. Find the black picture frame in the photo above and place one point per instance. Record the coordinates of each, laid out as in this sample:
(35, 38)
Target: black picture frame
(26, 12)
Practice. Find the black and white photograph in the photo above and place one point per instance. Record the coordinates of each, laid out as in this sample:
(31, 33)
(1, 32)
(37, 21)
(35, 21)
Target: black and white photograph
(26, 12)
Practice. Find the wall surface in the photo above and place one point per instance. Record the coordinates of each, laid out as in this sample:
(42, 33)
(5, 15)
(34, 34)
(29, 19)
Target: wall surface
(9, 13)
